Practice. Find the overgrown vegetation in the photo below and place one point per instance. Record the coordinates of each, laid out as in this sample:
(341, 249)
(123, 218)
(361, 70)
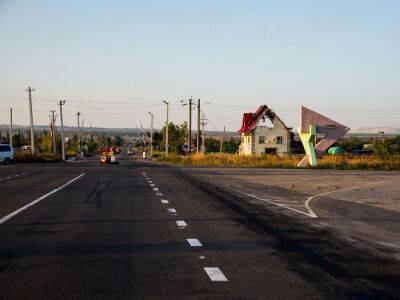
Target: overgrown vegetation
(27, 156)
(44, 145)
(350, 144)
(388, 149)
(337, 162)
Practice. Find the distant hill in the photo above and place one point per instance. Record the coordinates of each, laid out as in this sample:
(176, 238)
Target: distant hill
(374, 130)
(70, 130)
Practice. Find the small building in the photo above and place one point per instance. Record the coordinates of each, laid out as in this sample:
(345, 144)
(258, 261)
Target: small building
(263, 132)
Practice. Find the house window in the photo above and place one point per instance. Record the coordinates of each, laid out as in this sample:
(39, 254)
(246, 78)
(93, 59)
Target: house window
(279, 139)
(261, 139)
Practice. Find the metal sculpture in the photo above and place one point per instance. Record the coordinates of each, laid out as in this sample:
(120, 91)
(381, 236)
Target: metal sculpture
(313, 124)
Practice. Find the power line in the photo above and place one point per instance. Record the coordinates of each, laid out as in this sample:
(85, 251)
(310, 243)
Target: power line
(222, 117)
(211, 123)
(158, 122)
(114, 108)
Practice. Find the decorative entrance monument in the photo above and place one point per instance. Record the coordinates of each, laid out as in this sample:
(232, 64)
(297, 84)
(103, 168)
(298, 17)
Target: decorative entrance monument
(312, 125)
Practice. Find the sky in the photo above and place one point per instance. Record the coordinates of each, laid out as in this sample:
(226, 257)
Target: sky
(116, 61)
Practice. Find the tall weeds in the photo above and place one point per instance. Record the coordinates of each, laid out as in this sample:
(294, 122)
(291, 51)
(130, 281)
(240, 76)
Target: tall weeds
(337, 162)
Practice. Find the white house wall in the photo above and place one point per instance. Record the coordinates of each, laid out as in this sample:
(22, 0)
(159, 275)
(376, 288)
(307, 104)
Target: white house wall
(271, 135)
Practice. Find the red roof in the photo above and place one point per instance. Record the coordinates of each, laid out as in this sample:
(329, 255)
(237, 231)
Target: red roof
(251, 119)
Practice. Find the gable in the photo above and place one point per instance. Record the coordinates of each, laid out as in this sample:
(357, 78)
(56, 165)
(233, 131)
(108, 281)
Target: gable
(263, 117)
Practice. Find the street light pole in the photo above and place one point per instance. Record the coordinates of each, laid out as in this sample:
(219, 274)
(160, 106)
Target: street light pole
(190, 126)
(30, 90)
(53, 131)
(198, 127)
(11, 126)
(151, 134)
(61, 103)
(78, 114)
(166, 130)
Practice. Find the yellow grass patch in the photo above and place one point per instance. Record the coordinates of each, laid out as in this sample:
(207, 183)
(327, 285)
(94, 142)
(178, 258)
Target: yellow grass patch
(339, 162)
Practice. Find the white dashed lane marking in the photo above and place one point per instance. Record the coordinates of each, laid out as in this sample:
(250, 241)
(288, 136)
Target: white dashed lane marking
(14, 176)
(215, 274)
(181, 223)
(172, 210)
(194, 243)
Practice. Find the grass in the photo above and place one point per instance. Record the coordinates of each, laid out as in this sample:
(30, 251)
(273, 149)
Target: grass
(27, 156)
(337, 162)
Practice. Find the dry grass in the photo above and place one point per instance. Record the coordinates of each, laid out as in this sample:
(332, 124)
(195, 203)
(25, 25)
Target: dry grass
(27, 156)
(271, 161)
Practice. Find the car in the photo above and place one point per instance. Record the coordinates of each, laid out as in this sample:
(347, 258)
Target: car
(6, 154)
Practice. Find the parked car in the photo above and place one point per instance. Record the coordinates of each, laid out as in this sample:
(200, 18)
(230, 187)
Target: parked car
(6, 154)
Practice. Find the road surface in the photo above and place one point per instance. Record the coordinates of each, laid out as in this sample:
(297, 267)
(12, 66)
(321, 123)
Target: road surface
(144, 230)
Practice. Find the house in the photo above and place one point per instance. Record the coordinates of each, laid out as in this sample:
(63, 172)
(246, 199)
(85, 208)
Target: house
(263, 132)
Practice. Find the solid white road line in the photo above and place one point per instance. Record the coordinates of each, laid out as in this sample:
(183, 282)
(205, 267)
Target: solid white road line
(4, 219)
(172, 210)
(310, 212)
(215, 274)
(307, 204)
(164, 201)
(194, 243)
(181, 223)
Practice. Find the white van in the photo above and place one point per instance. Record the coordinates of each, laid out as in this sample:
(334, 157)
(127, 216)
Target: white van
(6, 154)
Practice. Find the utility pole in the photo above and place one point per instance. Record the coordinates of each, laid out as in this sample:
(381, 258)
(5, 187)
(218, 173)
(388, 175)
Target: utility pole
(11, 127)
(81, 130)
(222, 141)
(203, 134)
(190, 126)
(166, 130)
(78, 151)
(53, 131)
(198, 127)
(78, 114)
(30, 90)
(61, 103)
(151, 134)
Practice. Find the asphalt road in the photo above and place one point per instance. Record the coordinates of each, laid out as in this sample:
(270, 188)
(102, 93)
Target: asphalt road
(113, 233)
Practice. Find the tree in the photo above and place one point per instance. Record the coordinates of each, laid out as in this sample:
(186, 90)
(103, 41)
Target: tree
(46, 143)
(118, 141)
(350, 144)
(157, 139)
(388, 148)
(177, 135)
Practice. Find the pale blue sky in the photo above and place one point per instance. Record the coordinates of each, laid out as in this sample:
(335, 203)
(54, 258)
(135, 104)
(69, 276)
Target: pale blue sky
(340, 58)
